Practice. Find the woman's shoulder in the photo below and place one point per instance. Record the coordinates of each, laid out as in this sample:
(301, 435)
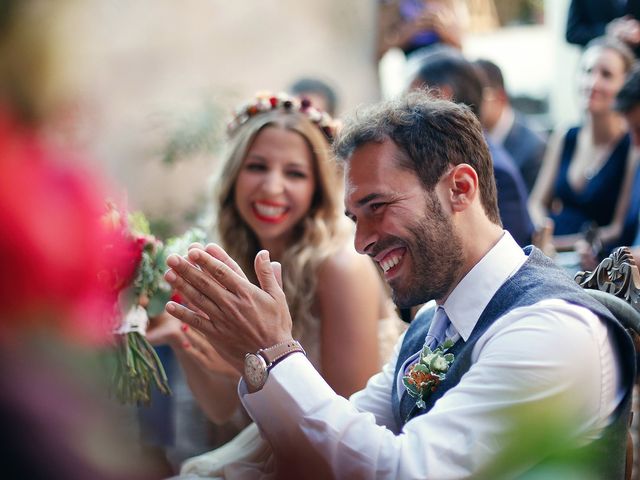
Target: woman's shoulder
(345, 259)
(345, 262)
(565, 133)
(563, 139)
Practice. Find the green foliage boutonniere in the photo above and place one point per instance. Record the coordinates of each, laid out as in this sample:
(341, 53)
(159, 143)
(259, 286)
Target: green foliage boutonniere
(425, 376)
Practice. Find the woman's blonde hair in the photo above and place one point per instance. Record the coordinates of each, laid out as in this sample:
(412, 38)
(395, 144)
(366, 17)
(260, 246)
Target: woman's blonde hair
(618, 46)
(323, 230)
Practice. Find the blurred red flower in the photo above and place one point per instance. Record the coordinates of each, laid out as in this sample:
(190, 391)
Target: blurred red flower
(123, 250)
(51, 240)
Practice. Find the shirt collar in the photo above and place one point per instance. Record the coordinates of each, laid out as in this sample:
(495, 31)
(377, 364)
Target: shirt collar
(503, 126)
(468, 300)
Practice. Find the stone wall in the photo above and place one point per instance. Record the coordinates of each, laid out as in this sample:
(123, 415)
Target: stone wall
(144, 69)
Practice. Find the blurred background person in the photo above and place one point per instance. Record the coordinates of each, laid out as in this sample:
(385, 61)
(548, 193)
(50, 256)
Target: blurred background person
(589, 19)
(279, 190)
(506, 127)
(587, 172)
(456, 79)
(413, 27)
(625, 227)
(414, 24)
(321, 95)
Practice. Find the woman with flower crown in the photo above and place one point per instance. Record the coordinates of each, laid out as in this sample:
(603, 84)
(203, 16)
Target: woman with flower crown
(279, 189)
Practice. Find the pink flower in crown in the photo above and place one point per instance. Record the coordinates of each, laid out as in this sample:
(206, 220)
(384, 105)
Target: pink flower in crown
(267, 101)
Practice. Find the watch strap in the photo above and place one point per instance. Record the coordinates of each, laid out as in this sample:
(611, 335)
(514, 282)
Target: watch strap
(279, 351)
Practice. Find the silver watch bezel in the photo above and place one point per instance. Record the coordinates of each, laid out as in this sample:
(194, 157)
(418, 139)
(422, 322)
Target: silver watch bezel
(256, 370)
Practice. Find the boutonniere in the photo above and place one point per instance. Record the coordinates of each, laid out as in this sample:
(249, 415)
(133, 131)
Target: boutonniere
(425, 376)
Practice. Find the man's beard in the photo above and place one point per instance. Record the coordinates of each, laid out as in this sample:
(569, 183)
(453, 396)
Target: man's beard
(435, 251)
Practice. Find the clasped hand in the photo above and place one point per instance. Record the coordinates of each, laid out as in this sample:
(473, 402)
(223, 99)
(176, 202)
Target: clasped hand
(236, 316)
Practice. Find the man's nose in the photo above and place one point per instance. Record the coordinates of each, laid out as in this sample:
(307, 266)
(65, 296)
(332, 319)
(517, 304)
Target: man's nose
(365, 237)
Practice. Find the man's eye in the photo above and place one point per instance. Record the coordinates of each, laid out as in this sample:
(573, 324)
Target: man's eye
(376, 206)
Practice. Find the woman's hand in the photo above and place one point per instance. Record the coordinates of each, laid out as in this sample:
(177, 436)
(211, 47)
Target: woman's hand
(202, 352)
(543, 238)
(240, 317)
(588, 258)
(165, 329)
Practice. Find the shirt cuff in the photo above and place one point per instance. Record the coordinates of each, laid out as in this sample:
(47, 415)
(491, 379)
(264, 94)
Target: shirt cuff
(293, 387)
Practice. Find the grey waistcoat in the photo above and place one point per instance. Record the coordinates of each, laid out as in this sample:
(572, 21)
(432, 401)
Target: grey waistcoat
(538, 279)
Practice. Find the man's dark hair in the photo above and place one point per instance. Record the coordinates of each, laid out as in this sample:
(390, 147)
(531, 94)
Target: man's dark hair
(314, 85)
(431, 133)
(445, 67)
(629, 95)
(492, 73)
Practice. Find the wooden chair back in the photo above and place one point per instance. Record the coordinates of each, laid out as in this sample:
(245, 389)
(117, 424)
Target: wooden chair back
(616, 284)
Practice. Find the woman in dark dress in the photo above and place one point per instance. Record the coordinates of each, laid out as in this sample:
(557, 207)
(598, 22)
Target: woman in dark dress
(585, 178)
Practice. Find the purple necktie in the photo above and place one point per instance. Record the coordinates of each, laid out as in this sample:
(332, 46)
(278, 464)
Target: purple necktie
(437, 330)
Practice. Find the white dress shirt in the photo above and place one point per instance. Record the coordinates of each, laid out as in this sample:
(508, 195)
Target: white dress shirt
(551, 361)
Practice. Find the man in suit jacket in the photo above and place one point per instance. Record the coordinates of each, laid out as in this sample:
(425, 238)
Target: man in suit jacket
(588, 19)
(456, 79)
(506, 127)
(535, 368)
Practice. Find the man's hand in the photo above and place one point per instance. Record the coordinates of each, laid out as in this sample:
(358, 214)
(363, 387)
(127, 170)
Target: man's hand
(242, 318)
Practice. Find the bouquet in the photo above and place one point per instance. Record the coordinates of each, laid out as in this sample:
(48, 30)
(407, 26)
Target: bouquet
(142, 292)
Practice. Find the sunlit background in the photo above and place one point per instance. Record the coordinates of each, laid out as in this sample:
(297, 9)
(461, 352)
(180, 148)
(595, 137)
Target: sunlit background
(149, 84)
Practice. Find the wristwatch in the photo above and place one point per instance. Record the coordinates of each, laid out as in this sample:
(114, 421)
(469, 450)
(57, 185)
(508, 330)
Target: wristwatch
(257, 365)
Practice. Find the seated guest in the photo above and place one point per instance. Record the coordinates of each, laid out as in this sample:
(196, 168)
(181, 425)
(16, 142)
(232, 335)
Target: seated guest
(456, 79)
(321, 95)
(582, 179)
(624, 229)
(413, 25)
(506, 127)
(516, 366)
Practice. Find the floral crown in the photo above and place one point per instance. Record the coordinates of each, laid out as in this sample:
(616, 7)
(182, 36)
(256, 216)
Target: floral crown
(268, 102)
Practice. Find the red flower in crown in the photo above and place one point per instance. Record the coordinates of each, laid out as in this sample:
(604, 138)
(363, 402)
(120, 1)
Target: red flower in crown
(265, 101)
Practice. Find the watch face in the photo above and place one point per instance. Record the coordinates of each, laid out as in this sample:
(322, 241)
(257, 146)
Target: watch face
(255, 370)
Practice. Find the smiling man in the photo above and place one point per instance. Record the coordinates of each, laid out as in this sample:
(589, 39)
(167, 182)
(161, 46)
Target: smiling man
(511, 338)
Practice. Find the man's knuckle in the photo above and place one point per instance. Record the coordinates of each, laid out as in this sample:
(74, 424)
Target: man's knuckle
(200, 321)
(201, 282)
(219, 271)
(200, 298)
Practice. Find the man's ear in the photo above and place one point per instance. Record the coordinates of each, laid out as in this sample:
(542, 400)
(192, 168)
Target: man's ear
(463, 185)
